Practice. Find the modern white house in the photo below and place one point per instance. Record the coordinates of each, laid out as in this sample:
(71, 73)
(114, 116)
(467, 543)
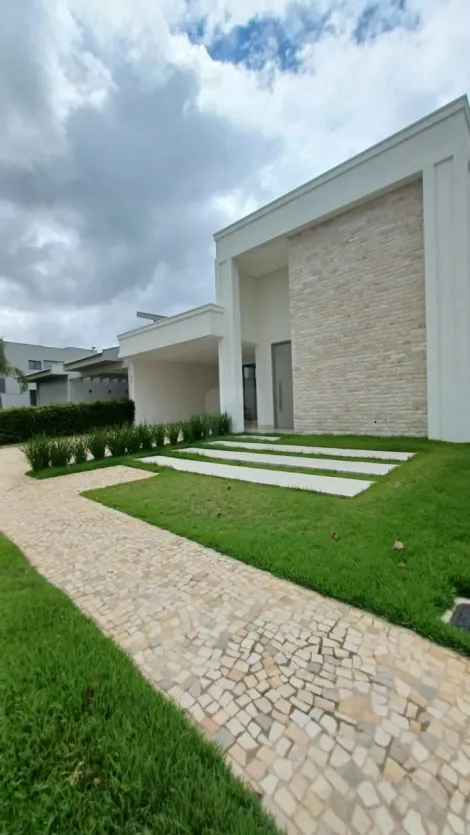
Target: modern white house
(31, 358)
(341, 307)
(100, 375)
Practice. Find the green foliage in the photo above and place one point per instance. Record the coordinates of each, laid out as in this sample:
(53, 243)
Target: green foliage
(145, 433)
(224, 424)
(79, 449)
(97, 442)
(37, 452)
(173, 432)
(186, 431)
(133, 439)
(197, 427)
(118, 439)
(69, 419)
(61, 451)
(159, 434)
(88, 746)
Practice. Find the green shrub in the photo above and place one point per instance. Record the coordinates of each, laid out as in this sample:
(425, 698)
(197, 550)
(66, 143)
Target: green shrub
(159, 434)
(224, 423)
(145, 433)
(133, 442)
(62, 419)
(197, 424)
(186, 431)
(37, 452)
(213, 424)
(80, 450)
(173, 432)
(61, 452)
(97, 442)
(118, 438)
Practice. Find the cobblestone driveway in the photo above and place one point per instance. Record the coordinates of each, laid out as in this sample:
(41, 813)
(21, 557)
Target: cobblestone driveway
(344, 723)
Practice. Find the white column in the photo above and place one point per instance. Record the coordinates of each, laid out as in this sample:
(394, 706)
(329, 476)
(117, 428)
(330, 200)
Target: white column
(230, 346)
(446, 203)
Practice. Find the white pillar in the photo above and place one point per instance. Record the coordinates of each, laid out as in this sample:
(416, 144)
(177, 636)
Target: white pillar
(446, 202)
(230, 346)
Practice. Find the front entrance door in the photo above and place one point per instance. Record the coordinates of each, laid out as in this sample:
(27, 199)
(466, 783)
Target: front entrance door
(282, 385)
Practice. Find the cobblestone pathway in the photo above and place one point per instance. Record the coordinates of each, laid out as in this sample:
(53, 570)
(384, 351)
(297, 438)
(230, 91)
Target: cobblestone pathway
(344, 723)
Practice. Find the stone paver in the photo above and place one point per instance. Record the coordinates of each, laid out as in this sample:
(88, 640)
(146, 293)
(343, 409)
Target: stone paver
(344, 723)
(362, 467)
(337, 452)
(334, 485)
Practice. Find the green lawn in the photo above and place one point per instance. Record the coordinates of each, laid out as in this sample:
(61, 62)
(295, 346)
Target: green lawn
(424, 502)
(87, 746)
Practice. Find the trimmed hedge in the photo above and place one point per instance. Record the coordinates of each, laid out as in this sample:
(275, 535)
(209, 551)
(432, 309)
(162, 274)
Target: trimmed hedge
(18, 425)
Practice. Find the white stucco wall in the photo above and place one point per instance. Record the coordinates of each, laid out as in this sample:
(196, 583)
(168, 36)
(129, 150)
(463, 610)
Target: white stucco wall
(165, 391)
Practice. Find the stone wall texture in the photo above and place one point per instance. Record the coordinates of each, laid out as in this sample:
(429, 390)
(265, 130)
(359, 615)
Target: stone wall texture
(357, 302)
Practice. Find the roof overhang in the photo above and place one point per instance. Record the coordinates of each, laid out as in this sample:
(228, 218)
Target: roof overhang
(397, 160)
(104, 363)
(46, 374)
(197, 326)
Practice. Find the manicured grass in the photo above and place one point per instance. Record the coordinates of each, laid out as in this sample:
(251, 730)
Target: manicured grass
(87, 746)
(423, 502)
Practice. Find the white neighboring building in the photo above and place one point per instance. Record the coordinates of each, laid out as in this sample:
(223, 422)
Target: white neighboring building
(345, 303)
(30, 358)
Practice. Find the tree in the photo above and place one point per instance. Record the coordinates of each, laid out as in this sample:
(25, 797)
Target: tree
(9, 370)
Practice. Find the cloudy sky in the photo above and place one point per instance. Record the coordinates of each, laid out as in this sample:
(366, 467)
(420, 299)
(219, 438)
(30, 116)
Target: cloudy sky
(131, 130)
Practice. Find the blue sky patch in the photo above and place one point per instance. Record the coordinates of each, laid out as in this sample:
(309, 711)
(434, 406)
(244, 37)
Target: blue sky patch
(263, 40)
(378, 19)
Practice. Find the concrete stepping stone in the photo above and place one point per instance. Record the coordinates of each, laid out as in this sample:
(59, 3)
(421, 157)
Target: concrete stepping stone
(338, 452)
(335, 486)
(362, 467)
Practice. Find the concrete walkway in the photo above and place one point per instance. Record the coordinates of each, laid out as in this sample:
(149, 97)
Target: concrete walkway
(344, 723)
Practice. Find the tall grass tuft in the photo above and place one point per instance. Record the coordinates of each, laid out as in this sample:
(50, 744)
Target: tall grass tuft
(173, 432)
(159, 434)
(37, 452)
(80, 449)
(133, 442)
(97, 443)
(118, 438)
(61, 452)
(145, 433)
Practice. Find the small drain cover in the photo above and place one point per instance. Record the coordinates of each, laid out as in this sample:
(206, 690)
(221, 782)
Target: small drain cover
(461, 616)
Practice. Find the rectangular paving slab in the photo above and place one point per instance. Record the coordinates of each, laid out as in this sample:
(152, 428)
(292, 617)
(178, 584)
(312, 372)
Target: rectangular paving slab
(301, 481)
(362, 467)
(322, 450)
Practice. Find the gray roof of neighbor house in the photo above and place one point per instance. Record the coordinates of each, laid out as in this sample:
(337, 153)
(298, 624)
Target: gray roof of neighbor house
(56, 372)
(105, 363)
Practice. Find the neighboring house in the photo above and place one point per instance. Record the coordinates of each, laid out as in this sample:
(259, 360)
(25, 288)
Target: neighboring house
(347, 301)
(98, 376)
(31, 358)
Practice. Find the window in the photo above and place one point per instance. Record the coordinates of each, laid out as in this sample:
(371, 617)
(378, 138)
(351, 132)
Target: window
(33, 398)
(34, 365)
(2, 385)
